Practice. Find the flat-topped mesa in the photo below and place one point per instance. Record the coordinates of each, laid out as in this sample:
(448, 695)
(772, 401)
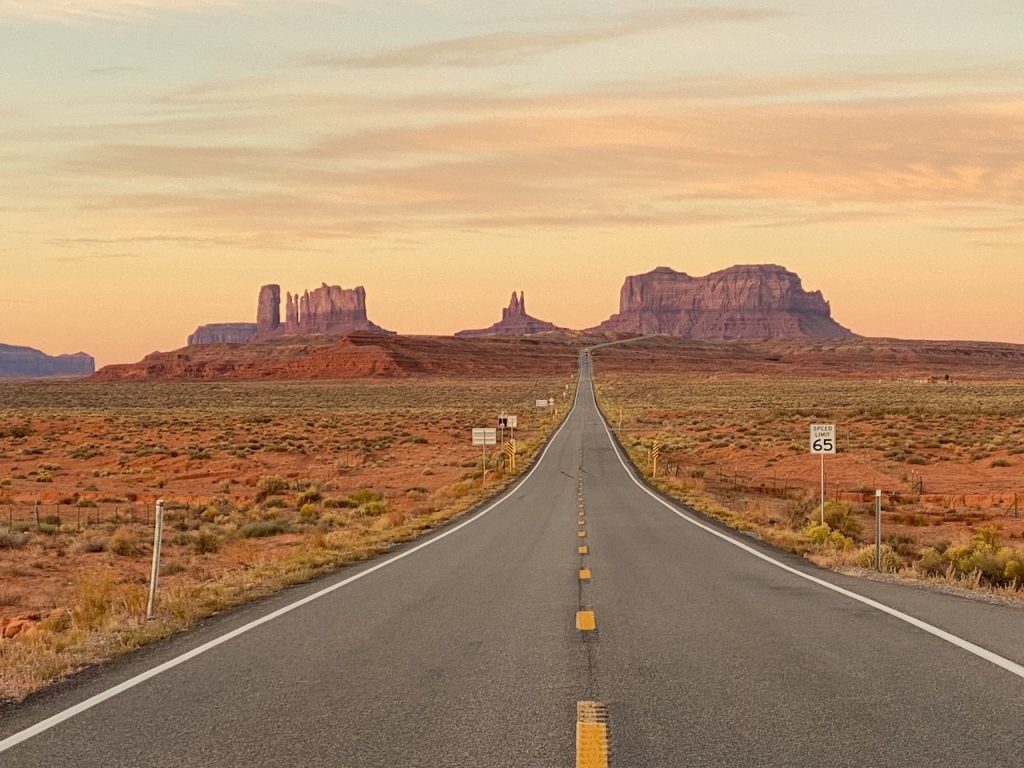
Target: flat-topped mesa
(514, 322)
(223, 333)
(763, 301)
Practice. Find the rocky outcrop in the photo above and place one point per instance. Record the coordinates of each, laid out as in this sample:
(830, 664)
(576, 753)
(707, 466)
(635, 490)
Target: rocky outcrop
(744, 302)
(223, 333)
(25, 362)
(514, 322)
(330, 310)
(268, 309)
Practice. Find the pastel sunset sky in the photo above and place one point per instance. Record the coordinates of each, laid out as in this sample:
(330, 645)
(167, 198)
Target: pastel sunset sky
(162, 159)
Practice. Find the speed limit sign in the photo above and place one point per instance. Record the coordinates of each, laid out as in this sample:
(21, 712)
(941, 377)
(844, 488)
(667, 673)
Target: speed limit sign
(823, 438)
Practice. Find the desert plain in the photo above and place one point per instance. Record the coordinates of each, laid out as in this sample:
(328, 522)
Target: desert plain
(268, 483)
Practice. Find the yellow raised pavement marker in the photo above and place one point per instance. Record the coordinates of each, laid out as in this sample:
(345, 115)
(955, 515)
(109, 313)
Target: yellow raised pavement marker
(586, 621)
(582, 521)
(584, 550)
(583, 534)
(584, 574)
(592, 745)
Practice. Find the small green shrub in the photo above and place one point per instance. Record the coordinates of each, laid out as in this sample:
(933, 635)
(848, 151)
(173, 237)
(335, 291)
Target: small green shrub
(271, 485)
(261, 528)
(123, 542)
(10, 540)
(206, 541)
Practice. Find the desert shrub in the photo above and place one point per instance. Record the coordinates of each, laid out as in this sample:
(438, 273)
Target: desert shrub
(92, 544)
(364, 496)
(206, 541)
(308, 511)
(931, 562)
(123, 542)
(838, 518)
(261, 528)
(1000, 463)
(818, 534)
(11, 540)
(890, 561)
(270, 485)
(335, 503)
(309, 496)
(372, 509)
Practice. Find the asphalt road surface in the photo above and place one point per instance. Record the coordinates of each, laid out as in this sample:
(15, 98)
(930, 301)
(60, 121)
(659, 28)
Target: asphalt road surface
(463, 649)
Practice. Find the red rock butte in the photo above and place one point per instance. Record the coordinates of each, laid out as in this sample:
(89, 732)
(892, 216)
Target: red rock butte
(329, 310)
(514, 322)
(762, 301)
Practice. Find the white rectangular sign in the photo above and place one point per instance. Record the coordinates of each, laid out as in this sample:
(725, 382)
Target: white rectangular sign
(512, 421)
(542, 403)
(485, 436)
(823, 438)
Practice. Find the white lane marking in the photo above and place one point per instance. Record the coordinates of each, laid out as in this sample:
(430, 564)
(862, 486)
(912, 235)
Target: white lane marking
(99, 698)
(1010, 666)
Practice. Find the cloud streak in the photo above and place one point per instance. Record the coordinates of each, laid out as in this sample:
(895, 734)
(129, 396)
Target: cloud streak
(71, 11)
(508, 47)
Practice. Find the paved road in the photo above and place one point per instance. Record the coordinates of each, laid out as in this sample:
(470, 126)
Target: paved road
(709, 650)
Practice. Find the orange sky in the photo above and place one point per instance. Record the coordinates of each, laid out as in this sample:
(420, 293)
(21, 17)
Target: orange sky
(158, 170)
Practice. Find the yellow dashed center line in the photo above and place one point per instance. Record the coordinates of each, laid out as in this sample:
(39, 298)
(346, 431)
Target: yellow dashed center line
(584, 550)
(584, 574)
(586, 621)
(583, 534)
(592, 743)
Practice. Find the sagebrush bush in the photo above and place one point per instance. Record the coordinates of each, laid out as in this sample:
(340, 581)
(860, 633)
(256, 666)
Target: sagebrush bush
(260, 528)
(123, 542)
(271, 485)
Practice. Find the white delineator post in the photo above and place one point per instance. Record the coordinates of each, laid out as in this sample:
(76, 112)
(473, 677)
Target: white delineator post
(878, 530)
(154, 575)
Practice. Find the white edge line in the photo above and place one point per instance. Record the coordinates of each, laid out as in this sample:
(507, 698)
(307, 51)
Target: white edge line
(55, 720)
(966, 645)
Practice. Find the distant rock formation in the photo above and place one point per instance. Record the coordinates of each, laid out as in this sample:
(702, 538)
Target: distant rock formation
(223, 333)
(514, 322)
(744, 302)
(268, 309)
(329, 310)
(25, 362)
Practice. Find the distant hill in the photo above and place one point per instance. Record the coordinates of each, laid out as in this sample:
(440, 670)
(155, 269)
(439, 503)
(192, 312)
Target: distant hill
(29, 363)
(357, 355)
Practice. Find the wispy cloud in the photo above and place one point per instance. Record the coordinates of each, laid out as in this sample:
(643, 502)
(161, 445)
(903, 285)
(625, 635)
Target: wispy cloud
(84, 257)
(70, 11)
(635, 159)
(505, 47)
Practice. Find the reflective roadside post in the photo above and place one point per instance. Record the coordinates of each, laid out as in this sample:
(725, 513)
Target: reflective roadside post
(154, 575)
(878, 530)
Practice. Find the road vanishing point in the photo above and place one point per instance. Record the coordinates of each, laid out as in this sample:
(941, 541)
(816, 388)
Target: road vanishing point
(579, 619)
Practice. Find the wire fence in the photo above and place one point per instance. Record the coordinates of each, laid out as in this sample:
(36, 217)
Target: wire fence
(916, 493)
(64, 517)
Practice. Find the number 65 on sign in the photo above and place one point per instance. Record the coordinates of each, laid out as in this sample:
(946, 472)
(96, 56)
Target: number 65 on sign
(823, 438)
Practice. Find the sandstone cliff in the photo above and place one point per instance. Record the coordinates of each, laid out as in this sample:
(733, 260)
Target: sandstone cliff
(25, 362)
(514, 322)
(743, 302)
(223, 333)
(329, 310)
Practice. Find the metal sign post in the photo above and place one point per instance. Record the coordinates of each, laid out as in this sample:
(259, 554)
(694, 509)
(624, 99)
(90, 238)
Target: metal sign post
(823, 441)
(484, 436)
(154, 575)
